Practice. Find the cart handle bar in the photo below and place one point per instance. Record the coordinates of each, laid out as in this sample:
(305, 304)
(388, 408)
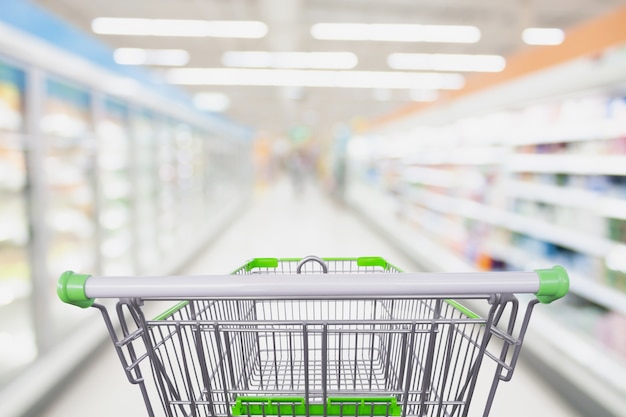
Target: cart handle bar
(81, 290)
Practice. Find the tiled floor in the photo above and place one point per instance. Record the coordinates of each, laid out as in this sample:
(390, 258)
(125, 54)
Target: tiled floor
(282, 224)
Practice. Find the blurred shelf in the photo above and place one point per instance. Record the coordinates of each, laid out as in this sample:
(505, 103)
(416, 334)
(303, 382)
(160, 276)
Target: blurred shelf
(544, 230)
(592, 245)
(579, 363)
(562, 352)
(552, 194)
(597, 292)
(583, 199)
(570, 132)
(432, 177)
(381, 211)
(567, 164)
(460, 156)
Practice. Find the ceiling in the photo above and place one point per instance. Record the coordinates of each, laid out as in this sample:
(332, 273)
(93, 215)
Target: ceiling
(277, 109)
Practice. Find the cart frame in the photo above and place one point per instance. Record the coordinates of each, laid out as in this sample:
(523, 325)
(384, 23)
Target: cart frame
(313, 336)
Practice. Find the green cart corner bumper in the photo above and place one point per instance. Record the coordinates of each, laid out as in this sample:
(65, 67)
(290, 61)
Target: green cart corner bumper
(71, 289)
(554, 284)
(336, 406)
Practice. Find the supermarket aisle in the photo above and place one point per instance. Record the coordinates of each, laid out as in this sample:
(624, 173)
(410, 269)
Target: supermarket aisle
(279, 223)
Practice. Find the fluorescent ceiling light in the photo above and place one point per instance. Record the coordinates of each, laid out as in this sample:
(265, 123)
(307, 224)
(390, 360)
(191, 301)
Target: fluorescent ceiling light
(395, 32)
(307, 60)
(138, 56)
(447, 62)
(178, 27)
(543, 36)
(213, 102)
(314, 78)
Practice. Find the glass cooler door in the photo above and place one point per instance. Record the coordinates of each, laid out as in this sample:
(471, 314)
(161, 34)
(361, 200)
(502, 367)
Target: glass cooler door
(115, 184)
(145, 128)
(17, 342)
(69, 178)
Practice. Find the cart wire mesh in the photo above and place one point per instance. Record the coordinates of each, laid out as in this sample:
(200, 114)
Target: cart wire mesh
(302, 357)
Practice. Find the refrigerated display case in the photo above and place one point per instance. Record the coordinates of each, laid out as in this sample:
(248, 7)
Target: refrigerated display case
(13, 219)
(115, 187)
(185, 152)
(12, 82)
(167, 183)
(199, 163)
(210, 172)
(17, 343)
(229, 160)
(69, 164)
(145, 124)
(68, 160)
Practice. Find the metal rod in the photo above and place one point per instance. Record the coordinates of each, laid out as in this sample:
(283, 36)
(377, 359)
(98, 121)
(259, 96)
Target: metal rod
(428, 368)
(329, 285)
(324, 368)
(305, 347)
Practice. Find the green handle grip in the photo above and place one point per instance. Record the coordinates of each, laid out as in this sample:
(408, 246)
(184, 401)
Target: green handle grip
(71, 289)
(554, 284)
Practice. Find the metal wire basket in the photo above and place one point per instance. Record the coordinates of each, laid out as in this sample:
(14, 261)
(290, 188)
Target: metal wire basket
(308, 337)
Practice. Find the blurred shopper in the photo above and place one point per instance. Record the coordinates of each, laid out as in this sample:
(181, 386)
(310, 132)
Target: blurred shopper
(299, 170)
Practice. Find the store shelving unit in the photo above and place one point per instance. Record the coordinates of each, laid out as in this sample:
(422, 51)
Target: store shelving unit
(504, 179)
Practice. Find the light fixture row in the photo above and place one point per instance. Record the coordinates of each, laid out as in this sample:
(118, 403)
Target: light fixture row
(323, 31)
(216, 102)
(315, 78)
(314, 69)
(316, 60)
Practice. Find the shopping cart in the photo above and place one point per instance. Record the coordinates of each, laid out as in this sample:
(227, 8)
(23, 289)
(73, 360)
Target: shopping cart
(316, 337)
